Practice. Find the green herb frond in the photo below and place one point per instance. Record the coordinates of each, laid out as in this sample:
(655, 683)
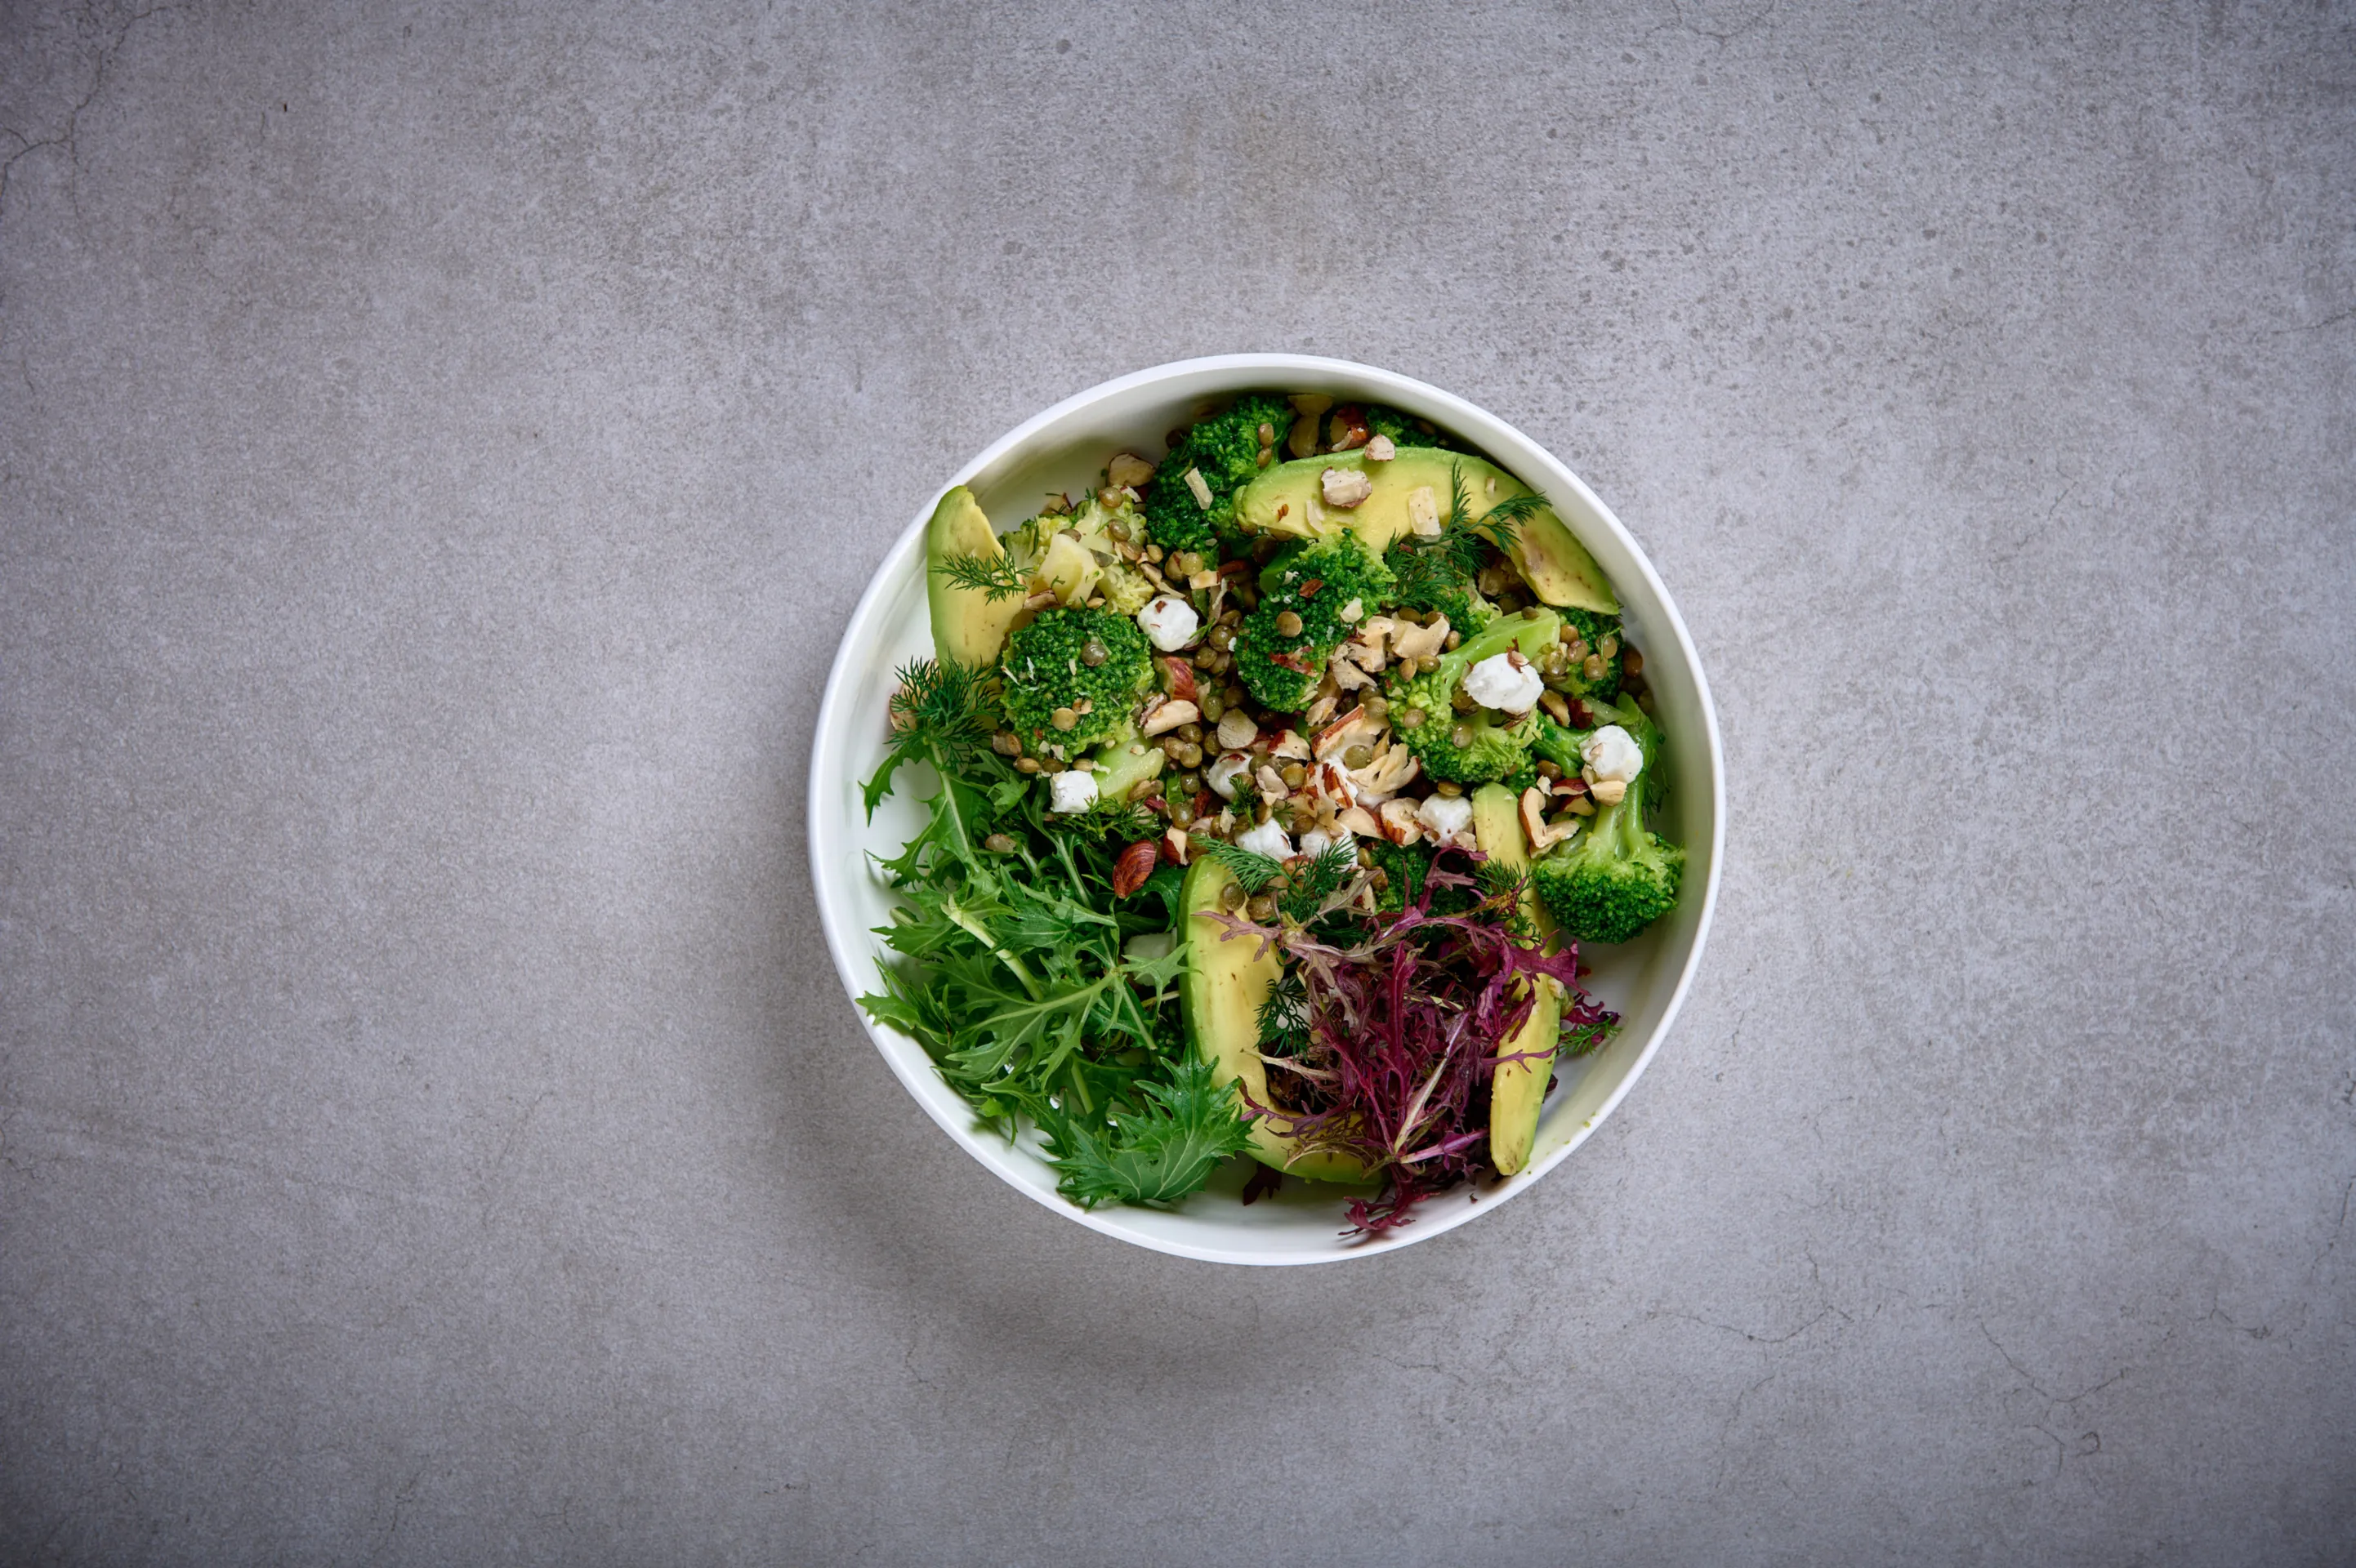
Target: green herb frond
(942, 707)
(1252, 871)
(997, 576)
(1328, 880)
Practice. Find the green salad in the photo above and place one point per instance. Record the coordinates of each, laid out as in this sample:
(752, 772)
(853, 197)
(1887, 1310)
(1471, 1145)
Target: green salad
(1269, 792)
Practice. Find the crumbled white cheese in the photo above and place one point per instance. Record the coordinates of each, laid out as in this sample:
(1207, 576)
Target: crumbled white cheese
(1071, 790)
(1381, 450)
(1612, 753)
(1222, 774)
(1444, 816)
(1266, 839)
(1506, 681)
(1346, 487)
(1169, 622)
(1316, 842)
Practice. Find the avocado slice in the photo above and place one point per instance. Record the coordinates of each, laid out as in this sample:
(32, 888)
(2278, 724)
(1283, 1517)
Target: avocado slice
(1287, 499)
(1220, 994)
(968, 625)
(1519, 1091)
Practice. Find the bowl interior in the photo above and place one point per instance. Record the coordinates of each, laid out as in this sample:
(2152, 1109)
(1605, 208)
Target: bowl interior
(1062, 450)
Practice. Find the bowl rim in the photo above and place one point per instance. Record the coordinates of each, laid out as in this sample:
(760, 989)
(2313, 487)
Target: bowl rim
(1245, 370)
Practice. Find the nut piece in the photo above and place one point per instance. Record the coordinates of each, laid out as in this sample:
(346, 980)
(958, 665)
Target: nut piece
(1175, 848)
(1237, 729)
(1271, 783)
(1360, 822)
(1350, 431)
(1127, 470)
(1543, 834)
(1346, 487)
(1398, 823)
(1345, 731)
(1419, 642)
(1201, 486)
(1167, 714)
(1392, 769)
(1609, 792)
(1290, 746)
(1347, 674)
(1381, 449)
(1329, 783)
(1423, 511)
(1136, 864)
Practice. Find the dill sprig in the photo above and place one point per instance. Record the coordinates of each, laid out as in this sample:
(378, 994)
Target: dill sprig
(996, 576)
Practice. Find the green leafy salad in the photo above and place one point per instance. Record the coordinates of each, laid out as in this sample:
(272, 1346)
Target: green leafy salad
(1269, 791)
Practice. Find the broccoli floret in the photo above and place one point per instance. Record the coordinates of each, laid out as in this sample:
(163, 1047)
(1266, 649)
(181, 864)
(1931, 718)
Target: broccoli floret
(1046, 669)
(1225, 450)
(1100, 530)
(1612, 881)
(1328, 586)
(1479, 745)
(1405, 429)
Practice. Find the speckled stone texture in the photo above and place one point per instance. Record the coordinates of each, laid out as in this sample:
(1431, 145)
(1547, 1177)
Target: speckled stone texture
(440, 445)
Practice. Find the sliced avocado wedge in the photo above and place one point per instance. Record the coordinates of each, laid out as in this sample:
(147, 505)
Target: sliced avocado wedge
(1220, 994)
(968, 625)
(1517, 1093)
(1288, 500)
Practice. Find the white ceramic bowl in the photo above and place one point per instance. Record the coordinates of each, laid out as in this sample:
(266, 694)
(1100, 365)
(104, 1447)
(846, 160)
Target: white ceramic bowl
(1063, 449)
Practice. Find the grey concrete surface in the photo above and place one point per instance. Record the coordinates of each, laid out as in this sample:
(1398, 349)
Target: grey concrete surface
(440, 444)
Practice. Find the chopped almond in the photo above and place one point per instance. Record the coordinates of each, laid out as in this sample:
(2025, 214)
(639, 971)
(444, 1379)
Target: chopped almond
(1420, 642)
(1398, 823)
(1350, 431)
(1346, 487)
(1394, 768)
(1167, 714)
(1543, 834)
(1423, 511)
(1343, 733)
